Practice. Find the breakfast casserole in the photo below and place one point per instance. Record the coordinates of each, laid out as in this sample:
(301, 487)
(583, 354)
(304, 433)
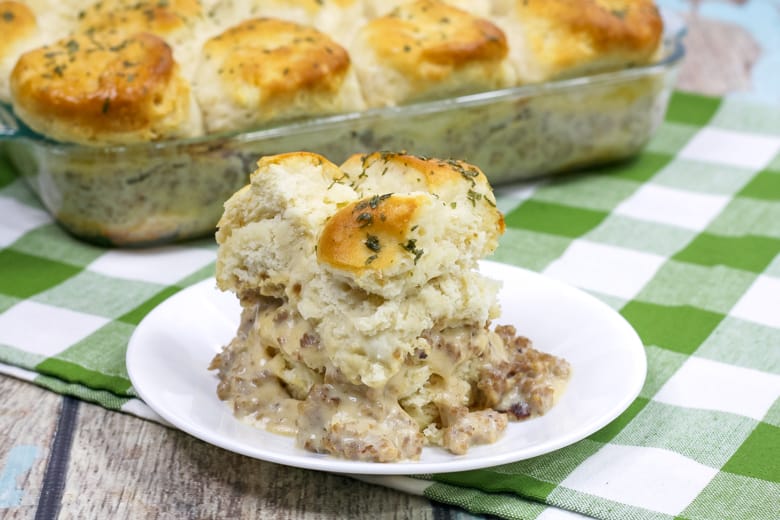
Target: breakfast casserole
(235, 66)
(133, 120)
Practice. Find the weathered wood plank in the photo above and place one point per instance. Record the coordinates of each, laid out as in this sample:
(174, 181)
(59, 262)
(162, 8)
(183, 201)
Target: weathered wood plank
(124, 467)
(28, 420)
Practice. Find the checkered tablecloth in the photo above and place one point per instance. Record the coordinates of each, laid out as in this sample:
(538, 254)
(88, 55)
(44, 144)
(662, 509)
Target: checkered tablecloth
(684, 241)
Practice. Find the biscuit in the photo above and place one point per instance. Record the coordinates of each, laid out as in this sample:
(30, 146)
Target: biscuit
(19, 28)
(428, 49)
(302, 187)
(337, 18)
(377, 8)
(84, 91)
(179, 22)
(58, 17)
(354, 54)
(552, 39)
(120, 18)
(418, 216)
(265, 70)
(227, 13)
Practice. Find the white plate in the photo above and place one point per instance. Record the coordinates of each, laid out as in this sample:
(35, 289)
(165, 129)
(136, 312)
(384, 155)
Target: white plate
(168, 356)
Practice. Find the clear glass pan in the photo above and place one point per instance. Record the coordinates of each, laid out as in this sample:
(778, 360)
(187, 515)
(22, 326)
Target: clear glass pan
(160, 192)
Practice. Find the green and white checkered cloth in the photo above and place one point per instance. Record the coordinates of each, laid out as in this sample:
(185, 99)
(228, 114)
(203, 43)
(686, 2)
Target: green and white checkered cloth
(684, 241)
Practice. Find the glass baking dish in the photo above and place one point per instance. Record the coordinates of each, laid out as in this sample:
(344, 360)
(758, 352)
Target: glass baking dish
(160, 192)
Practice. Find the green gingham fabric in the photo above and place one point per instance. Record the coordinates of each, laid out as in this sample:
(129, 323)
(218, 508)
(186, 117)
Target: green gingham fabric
(683, 241)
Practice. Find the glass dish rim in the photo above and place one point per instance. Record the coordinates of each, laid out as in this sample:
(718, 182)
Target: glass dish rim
(15, 129)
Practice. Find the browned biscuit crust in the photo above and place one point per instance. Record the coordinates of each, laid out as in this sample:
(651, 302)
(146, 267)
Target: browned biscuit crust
(449, 178)
(266, 69)
(569, 37)
(121, 18)
(371, 233)
(19, 30)
(81, 90)
(279, 57)
(17, 23)
(429, 39)
(426, 49)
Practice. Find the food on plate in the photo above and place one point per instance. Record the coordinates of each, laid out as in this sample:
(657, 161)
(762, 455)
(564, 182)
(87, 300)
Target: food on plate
(366, 328)
(229, 52)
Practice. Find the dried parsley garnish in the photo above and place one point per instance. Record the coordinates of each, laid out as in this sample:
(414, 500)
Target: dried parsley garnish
(372, 203)
(365, 219)
(473, 196)
(411, 246)
(372, 242)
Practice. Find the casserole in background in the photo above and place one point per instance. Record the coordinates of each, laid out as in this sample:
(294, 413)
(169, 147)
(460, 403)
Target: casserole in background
(158, 192)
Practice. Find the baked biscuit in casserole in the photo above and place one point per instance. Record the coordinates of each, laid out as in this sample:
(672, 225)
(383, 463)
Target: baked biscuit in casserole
(376, 8)
(266, 69)
(366, 328)
(428, 49)
(181, 23)
(56, 18)
(173, 19)
(552, 39)
(82, 90)
(354, 54)
(338, 18)
(19, 27)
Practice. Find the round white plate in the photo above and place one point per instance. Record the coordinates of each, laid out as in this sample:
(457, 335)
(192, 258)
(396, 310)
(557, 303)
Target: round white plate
(169, 353)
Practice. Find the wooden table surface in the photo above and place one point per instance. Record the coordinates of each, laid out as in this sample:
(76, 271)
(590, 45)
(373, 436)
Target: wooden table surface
(60, 457)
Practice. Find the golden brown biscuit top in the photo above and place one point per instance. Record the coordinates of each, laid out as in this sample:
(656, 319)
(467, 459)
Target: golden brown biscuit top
(106, 87)
(339, 3)
(124, 17)
(562, 26)
(310, 6)
(457, 185)
(431, 175)
(278, 56)
(371, 233)
(429, 39)
(300, 160)
(241, 209)
(17, 22)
